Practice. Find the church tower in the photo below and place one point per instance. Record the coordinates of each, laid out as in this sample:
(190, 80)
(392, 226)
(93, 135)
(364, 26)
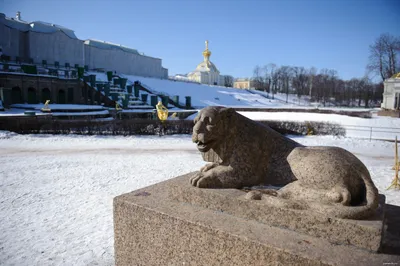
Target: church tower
(206, 53)
(206, 72)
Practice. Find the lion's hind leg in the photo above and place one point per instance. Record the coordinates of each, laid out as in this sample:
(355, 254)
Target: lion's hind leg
(297, 191)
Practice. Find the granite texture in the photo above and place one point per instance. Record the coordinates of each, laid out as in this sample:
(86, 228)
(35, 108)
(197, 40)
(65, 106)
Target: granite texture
(328, 180)
(153, 228)
(361, 233)
(331, 181)
(242, 152)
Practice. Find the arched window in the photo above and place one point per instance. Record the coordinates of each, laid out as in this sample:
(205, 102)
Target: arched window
(32, 95)
(61, 99)
(89, 94)
(16, 95)
(70, 95)
(46, 95)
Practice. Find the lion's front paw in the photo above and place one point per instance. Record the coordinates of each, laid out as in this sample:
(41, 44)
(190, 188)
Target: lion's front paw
(205, 180)
(207, 167)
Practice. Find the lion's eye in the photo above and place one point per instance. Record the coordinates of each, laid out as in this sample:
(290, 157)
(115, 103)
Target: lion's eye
(209, 127)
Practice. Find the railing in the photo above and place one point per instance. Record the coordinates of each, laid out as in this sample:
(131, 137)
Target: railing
(154, 92)
(371, 132)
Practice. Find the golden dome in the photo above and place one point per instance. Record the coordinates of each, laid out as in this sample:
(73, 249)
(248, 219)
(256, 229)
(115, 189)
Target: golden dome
(396, 76)
(206, 53)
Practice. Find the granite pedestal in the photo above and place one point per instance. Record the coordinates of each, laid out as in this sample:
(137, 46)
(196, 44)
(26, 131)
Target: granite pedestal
(173, 223)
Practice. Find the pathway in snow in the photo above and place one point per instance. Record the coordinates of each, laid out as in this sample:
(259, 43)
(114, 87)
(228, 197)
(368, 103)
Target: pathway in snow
(56, 191)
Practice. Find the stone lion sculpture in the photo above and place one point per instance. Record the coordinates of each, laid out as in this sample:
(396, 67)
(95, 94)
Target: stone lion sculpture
(244, 153)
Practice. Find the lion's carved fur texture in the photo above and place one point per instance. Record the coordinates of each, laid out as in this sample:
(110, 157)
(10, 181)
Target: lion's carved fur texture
(243, 153)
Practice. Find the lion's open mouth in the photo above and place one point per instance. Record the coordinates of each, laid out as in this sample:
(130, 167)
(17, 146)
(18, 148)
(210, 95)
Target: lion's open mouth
(204, 146)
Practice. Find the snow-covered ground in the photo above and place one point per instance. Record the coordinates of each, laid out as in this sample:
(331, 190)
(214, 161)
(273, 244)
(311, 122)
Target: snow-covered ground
(53, 106)
(201, 95)
(205, 95)
(377, 127)
(19, 109)
(56, 192)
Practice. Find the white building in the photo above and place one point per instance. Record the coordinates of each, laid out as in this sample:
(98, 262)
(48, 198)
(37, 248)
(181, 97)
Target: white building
(391, 93)
(38, 41)
(244, 83)
(206, 72)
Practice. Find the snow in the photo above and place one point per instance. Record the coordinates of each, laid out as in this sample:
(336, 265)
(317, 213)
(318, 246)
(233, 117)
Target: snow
(60, 106)
(105, 112)
(138, 111)
(57, 191)
(19, 109)
(304, 102)
(19, 112)
(202, 95)
(34, 75)
(377, 127)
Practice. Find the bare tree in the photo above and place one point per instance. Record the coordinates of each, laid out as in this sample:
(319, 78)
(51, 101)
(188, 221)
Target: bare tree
(228, 81)
(311, 74)
(340, 92)
(327, 79)
(384, 56)
(269, 72)
(285, 78)
(267, 79)
(323, 87)
(300, 80)
(353, 87)
(377, 91)
(274, 80)
(258, 78)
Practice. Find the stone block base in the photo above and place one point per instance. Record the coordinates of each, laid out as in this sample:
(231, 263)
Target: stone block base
(361, 233)
(153, 227)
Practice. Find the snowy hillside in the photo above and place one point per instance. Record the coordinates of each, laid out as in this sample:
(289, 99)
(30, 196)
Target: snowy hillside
(207, 95)
(202, 95)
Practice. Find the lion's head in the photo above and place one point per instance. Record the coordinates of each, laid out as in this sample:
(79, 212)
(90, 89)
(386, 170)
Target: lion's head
(211, 127)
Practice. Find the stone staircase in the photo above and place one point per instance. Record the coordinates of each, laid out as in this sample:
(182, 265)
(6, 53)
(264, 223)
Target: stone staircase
(131, 94)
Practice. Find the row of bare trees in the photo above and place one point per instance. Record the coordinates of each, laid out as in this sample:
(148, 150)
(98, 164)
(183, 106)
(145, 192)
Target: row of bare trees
(326, 86)
(384, 56)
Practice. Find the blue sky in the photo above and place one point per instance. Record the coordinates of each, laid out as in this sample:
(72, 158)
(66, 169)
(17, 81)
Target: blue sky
(333, 34)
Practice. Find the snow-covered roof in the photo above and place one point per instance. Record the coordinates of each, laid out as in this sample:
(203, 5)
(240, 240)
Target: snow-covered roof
(36, 26)
(15, 24)
(206, 66)
(40, 26)
(108, 45)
